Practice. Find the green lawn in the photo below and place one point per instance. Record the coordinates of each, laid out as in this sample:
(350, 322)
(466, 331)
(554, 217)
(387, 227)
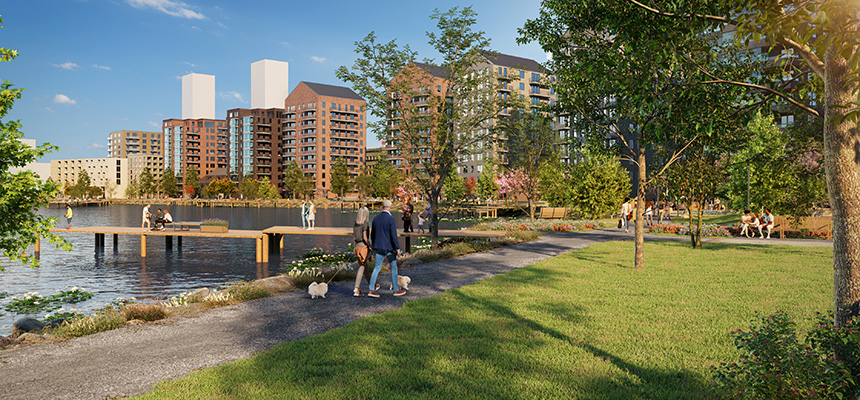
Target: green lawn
(582, 325)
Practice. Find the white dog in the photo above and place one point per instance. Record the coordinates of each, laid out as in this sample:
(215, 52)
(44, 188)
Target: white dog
(317, 289)
(403, 281)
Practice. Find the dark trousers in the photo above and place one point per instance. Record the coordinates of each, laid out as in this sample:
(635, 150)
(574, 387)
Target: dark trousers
(407, 225)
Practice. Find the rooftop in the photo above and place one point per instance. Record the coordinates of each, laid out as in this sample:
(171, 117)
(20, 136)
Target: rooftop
(332, 91)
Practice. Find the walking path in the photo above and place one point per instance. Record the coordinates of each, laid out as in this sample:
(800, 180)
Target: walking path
(132, 359)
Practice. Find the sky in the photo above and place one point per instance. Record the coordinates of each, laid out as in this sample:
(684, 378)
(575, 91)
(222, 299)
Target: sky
(91, 67)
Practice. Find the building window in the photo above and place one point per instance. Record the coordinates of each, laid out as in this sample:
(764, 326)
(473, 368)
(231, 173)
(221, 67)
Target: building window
(522, 85)
(522, 75)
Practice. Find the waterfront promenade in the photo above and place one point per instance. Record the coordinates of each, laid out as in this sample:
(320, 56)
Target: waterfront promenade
(132, 359)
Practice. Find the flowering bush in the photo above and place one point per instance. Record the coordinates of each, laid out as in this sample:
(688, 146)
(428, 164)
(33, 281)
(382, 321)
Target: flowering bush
(214, 222)
(774, 364)
(709, 230)
(540, 225)
(317, 258)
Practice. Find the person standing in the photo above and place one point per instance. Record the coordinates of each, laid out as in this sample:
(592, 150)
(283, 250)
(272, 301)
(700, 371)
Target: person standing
(312, 216)
(146, 215)
(649, 213)
(407, 216)
(626, 210)
(361, 241)
(68, 215)
(383, 234)
(304, 214)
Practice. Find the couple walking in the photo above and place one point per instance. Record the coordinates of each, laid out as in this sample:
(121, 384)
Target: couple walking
(381, 237)
(309, 215)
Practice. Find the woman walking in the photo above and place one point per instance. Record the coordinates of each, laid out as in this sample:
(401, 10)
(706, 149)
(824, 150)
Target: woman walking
(361, 241)
(312, 216)
(626, 210)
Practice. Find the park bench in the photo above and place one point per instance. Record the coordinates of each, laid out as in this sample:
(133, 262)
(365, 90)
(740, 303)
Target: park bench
(181, 226)
(815, 225)
(552, 212)
(487, 211)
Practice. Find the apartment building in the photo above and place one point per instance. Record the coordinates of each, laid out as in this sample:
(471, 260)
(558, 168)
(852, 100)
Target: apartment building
(125, 143)
(203, 143)
(255, 137)
(137, 163)
(111, 174)
(518, 79)
(322, 124)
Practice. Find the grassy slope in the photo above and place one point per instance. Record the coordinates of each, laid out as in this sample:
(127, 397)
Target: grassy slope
(582, 325)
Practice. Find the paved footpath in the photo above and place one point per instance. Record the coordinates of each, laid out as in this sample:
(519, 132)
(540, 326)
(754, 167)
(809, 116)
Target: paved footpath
(130, 360)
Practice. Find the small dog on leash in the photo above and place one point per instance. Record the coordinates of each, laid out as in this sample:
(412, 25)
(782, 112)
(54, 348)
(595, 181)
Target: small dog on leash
(317, 289)
(403, 281)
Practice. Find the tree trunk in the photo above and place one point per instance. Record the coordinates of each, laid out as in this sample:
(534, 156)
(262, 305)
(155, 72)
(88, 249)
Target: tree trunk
(434, 218)
(531, 210)
(639, 260)
(697, 243)
(690, 222)
(842, 166)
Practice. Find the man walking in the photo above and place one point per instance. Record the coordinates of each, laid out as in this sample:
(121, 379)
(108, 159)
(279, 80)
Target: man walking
(383, 234)
(146, 223)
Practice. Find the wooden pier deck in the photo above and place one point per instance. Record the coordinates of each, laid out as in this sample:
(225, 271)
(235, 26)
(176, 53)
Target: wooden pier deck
(269, 240)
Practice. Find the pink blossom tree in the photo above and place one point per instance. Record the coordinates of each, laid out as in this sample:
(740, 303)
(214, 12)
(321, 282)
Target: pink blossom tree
(517, 182)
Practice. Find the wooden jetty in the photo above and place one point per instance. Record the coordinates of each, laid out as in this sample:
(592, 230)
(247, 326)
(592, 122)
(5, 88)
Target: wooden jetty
(269, 240)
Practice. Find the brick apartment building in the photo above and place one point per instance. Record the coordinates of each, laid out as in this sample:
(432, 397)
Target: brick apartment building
(202, 143)
(321, 124)
(255, 137)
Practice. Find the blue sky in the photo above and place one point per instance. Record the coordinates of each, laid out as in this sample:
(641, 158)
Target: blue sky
(90, 67)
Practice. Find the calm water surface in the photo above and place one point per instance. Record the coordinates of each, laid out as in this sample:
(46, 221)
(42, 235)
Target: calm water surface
(113, 272)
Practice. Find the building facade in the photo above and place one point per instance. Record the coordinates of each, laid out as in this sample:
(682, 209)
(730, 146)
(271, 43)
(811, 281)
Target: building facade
(321, 124)
(111, 174)
(202, 143)
(270, 84)
(137, 163)
(125, 143)
(255, 138)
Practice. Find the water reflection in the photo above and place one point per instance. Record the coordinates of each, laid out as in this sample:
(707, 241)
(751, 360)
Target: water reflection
(117, 270)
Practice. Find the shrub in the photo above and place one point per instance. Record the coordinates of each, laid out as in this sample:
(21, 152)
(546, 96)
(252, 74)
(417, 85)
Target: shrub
(245, 291)
(106, 320)
(144, 312)
(774, 364)
(304, 277)
(218, 298)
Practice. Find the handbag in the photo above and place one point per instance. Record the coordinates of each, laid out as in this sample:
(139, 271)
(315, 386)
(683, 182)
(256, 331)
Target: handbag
(619, 223)
(629, 216)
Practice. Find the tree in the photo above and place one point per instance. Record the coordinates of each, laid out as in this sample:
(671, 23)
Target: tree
(531, 143)
(455, 188)
(364, 185)
(487, 186)
(295, 181)
(597, 183)
(516, 182)
(221, 186)
(385, 178)
(267, 190)
(132, 191)
(340, 177)
(695, 179)
(147, 183)
(192, 181)
(81, 188)
(249, 187)
(169, 182)
(433, 112)
(21, 193)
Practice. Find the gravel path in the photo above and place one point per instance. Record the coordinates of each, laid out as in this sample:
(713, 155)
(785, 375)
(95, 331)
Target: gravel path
(132, 359)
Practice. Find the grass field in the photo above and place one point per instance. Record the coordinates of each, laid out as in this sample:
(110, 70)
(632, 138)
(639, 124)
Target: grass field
(582, 325)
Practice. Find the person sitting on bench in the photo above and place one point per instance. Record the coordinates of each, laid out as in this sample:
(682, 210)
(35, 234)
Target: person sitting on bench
(767, 223)
(746, 220)
(168, 219)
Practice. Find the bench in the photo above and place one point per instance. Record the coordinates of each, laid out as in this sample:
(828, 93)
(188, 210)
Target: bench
(489, 212)
(181, 226)
(815, 225)
(552, 212)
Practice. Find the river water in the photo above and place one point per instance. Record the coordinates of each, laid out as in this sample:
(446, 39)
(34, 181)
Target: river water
(114, 272)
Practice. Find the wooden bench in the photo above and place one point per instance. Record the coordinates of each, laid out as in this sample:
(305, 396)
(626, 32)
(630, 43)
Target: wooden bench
(489, 212)
(552, 212)
(181, 226)
(818, 225)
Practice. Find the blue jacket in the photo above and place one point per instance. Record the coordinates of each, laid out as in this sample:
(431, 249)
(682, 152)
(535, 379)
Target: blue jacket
(383, 233)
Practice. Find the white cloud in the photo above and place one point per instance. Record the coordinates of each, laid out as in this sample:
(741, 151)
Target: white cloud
(287, 44)
(49, 109)
(63, 99)
(196, 28)
(96, 66)
(96, 146)
(189, 64)
(319, 59)
(235, 96)
(222, 26)
(169, 7)
(154, 124)
(67, 65)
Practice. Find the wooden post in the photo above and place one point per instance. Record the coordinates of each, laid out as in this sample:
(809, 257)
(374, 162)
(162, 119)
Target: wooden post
(265, 248)
(37, 247)
(408, 243)
(143, 246)
(179, 241)
(259, 249)
(168, 242)
(115, 240)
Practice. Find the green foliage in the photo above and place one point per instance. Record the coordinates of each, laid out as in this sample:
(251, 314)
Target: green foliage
(147, 183)
(385, 178)
(455, 187)
(340, 177)
(192, 180)
(106, 320)
(33, 302)
(214, 222)
(295, 182)
(249, 187)
(785, 167)
(775, 364)
(487, 186)
(132, 191)
(21, 193)
(169, 183)
(82, 187)
(364, 185)
(267, 190)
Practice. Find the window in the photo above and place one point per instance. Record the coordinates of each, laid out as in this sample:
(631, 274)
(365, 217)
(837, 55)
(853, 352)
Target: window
(323, 106)
(535, 77)
(522, 75)
(522, 85)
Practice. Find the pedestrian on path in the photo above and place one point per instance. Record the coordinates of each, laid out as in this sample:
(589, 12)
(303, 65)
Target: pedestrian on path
(407, 216)
(384, 239)
(304, 214)
(146, 223)
(312, 216)
(361, 241)
(69, 215)
(626, 210)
